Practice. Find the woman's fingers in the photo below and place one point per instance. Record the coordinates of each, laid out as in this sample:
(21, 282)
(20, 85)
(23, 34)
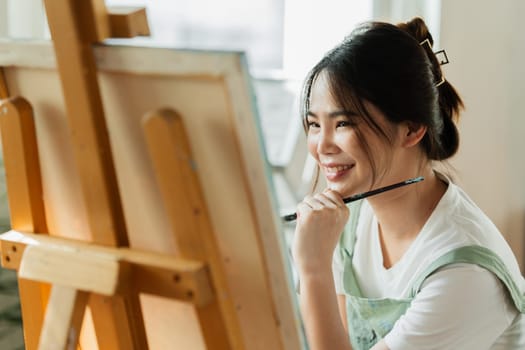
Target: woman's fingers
(313, 202)
(321, 219)
(329, 203)
(335, 197)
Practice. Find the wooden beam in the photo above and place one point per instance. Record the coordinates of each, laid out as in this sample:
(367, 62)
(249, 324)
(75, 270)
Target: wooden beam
(90, 140)
(34, 297)
(75, 26)
(180, 188)
(128, 22)
(93, 25)
(25, 197)
(78, 269)
(4, 92)
(63, 319)
(22, 165)
(105, 270)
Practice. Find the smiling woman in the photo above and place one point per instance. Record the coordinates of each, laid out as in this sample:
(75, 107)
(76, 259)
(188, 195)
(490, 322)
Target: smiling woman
(377, 110)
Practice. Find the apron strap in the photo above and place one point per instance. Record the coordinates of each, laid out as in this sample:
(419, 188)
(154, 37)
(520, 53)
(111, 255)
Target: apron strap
(346, 249)
(348, 237)
(478, 255)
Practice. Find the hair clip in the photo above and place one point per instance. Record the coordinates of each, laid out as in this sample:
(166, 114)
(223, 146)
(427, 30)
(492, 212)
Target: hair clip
(441, 55)
(444, 58)
(441, 81)
(426, 41)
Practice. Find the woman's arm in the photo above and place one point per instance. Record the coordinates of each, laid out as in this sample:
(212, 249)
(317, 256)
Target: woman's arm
(321, 314)
(321, 219)
(341, 302)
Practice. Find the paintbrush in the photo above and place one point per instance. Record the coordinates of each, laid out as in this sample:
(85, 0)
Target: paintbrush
(356, 197)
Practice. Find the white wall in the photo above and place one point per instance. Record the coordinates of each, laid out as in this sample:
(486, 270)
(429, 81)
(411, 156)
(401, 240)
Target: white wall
(312, 27)
(25, 19)
(395, 11)
(3, 19)
(486, 47)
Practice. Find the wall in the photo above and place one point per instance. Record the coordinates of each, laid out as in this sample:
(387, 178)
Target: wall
(487, 49)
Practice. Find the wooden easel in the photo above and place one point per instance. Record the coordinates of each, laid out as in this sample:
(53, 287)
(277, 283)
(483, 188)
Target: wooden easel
(59, 277)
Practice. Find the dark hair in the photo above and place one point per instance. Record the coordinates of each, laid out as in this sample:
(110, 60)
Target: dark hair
(393, 68)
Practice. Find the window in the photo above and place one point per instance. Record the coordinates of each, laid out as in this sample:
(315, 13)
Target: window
(253, 26)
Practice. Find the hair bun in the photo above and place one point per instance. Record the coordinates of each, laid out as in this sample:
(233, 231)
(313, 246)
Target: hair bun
(417, 28)
(450, 103)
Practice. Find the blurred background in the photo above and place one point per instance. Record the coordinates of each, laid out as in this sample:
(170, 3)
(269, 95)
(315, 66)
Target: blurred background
(284, 38)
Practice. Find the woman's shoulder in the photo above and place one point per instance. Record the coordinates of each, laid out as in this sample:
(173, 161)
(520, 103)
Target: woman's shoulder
(459, 218)
(451, 306)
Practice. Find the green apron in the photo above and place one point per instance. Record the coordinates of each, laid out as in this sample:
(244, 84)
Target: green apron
(369, 320)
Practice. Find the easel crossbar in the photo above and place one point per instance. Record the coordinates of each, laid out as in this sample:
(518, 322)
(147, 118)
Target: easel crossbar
(105, 270)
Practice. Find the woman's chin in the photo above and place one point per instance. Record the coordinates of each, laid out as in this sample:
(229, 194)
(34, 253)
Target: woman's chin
(344, 191)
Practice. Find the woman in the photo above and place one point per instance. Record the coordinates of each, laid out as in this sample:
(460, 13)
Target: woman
(418, 267)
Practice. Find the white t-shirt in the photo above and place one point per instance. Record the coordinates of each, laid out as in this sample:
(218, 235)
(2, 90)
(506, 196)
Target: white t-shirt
(461, 306)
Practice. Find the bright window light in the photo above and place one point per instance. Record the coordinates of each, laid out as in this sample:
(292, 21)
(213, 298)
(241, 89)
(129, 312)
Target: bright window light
(254, 26)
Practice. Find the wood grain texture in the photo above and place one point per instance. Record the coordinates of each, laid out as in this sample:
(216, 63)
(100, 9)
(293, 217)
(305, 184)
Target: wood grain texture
(105, 270)
(25, 197)
(22, 165)
(63, 319)
(190, 225)
(75, 27)
(89, 135)
(128, 22)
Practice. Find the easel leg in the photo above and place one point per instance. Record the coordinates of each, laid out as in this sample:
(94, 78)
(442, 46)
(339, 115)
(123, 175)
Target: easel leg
(75, 26)
(33, 304)
(25, 199)
(63, 319)
(118, 322)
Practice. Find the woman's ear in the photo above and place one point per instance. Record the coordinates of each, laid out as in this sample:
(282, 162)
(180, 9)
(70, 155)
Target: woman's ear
(412, 134)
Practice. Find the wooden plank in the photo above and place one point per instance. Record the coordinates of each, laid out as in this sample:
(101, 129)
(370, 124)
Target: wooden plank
(12, 252)
(187, 214)
(113, 318)
(22, 166)
(87, 124)
(118, 323)
(125, 59)
(258, 179)
(25, 197)
(187, 285)
(93, 26)
(63, 319)
(128, 22)
(4, 92)
(33, 302)
(105, 270)
(78, 269)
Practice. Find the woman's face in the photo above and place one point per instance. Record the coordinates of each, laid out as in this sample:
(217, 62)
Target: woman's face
(334, 142)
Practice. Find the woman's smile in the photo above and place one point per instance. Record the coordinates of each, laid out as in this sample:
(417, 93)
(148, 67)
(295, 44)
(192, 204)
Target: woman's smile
(334, 172)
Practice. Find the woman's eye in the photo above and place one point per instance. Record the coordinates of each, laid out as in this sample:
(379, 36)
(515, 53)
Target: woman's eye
(312, 124)
(343, 123)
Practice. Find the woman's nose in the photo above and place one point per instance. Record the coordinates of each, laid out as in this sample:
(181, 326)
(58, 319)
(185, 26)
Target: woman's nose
(326, 144)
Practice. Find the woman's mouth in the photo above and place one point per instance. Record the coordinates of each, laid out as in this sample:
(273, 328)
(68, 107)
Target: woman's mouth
(335, 171)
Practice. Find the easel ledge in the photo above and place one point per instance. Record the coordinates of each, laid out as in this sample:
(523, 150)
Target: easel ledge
(110, 270)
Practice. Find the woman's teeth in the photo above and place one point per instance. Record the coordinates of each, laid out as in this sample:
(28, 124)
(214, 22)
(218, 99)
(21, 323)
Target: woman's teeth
(336, 169)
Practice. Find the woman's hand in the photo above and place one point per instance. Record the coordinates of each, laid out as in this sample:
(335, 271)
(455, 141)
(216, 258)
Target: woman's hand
(320, 221)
